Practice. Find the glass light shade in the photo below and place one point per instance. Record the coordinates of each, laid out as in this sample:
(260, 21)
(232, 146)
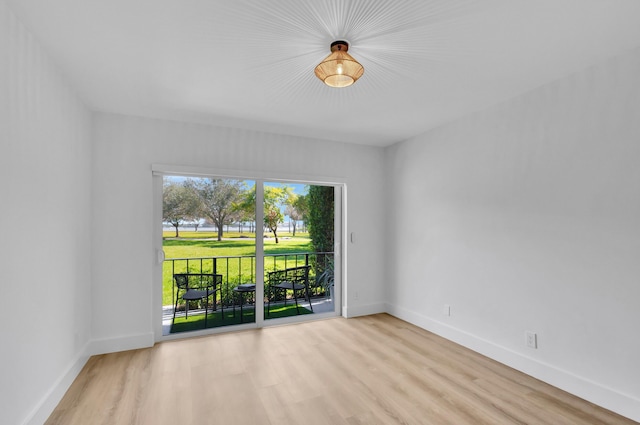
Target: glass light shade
(339, 69)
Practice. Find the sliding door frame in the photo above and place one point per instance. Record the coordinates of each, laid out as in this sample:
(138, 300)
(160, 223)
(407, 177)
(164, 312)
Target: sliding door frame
(340, 216)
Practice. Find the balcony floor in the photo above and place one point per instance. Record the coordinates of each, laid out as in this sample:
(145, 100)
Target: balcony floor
(320, 305)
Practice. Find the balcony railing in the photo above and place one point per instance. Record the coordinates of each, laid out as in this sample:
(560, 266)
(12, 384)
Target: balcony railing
(236, 270)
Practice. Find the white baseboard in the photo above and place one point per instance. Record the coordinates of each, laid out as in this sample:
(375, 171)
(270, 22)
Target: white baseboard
(123, 343)
(608, 398)
(48, 403)
(45, 406)
(363, 310)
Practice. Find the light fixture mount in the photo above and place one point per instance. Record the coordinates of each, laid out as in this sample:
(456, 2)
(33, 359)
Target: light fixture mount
(339, 45)
(339, 69)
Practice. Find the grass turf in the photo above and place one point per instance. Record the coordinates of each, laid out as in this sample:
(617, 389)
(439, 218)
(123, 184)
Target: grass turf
(214, 320)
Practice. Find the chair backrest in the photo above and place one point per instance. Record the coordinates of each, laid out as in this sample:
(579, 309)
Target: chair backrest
(186, 281)
(293, 274)
(182, 280)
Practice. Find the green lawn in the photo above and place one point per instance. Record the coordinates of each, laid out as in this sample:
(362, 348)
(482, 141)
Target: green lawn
(214, 320)
(234, 270)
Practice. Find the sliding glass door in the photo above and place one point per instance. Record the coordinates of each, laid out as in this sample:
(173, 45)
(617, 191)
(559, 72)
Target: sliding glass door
(299, 260)
(225, 262)
(208, 239)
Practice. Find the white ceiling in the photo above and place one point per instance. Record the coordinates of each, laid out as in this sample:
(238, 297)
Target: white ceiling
(249, 63)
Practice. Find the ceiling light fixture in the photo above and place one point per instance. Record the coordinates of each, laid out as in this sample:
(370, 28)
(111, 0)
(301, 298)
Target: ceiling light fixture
(339, 69)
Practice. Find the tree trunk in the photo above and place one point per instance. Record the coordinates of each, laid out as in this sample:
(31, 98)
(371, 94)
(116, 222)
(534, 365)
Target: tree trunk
(294, 228)
(176, 226)
(219, 233)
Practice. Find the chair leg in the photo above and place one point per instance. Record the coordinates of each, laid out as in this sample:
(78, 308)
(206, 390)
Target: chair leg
(233, 302)
(221, 303)
(269, 301)
(174, 310)
(306, 287)
(206, 310)
(295, 297)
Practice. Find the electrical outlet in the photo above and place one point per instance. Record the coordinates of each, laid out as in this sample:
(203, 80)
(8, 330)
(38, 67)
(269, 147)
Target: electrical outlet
(531, 339)
(446, 310)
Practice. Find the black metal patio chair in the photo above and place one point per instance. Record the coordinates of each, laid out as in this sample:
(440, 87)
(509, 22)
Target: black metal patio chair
(293, 279)
(197, 287)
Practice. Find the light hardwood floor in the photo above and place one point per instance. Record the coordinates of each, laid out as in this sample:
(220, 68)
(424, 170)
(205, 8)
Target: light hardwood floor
(367, 370)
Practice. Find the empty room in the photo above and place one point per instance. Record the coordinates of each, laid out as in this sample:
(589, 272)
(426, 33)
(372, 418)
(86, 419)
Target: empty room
(323, 212)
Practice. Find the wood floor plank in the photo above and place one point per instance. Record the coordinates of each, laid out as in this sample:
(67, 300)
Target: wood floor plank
(369, 370)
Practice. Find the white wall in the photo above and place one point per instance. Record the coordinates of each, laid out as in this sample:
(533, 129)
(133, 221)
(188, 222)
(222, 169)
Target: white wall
(530, 220)
(44, 240)
(125, 149)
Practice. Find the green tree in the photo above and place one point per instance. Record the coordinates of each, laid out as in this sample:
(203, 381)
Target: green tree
(245, 209)
(302, 204)
(320, 205)
(274, 200)
(296, 209)
(219, 200)
(179, 203)
(320, 217)
(272, 217)
(246, 214)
